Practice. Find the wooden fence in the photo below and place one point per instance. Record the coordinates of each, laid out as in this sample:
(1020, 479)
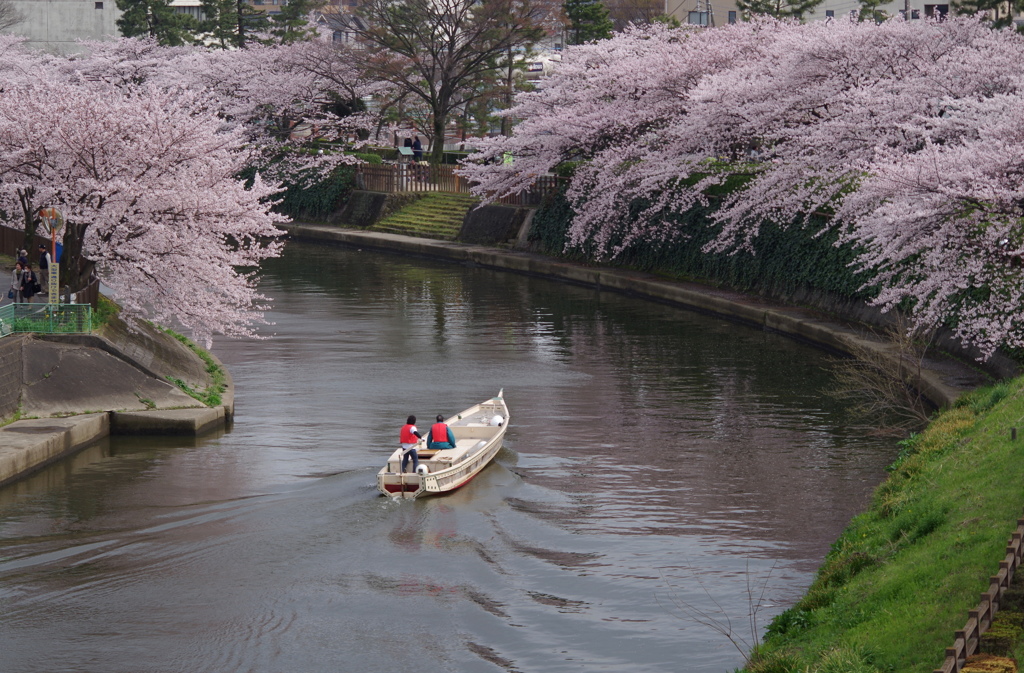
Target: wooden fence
(12, 240)
(967, 639)
(409, 177)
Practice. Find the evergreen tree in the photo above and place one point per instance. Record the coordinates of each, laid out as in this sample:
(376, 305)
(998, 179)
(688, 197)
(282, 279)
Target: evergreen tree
(780, 9)
(588, 21)
(871, 10)
(231, 23)
(1000, 13)
(291, 24)
(157, 19)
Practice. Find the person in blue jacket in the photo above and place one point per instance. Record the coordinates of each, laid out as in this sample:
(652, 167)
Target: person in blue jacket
(440, 435)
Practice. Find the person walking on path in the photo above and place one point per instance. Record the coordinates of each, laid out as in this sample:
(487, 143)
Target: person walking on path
(19, 270)
(44, 269)
(29, 284)
(417, 149)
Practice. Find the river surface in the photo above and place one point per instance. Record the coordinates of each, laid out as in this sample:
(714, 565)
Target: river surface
(664, 475)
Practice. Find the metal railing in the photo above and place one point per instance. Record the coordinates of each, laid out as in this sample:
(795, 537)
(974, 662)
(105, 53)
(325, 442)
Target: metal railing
(45, 318)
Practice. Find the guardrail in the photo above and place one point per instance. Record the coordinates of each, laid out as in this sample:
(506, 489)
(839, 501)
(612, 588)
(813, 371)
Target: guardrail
(967, 639)
(45, 319)
(410, 177)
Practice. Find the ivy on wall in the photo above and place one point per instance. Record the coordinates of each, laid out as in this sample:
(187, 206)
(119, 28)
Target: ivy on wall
(785, 260)
(319, 201)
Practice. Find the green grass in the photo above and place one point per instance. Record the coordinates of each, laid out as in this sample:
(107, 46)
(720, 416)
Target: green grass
(900, 579)
(106, 310)
(211, 395)
(17, 416)
(434, 215)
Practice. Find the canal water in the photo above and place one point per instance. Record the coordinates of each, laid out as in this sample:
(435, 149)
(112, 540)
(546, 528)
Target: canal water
(665, 475)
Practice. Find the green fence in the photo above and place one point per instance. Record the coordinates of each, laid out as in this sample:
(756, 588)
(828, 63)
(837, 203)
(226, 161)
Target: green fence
(45, 318)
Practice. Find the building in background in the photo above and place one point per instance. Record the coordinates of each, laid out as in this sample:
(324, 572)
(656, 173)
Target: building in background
(57, 25)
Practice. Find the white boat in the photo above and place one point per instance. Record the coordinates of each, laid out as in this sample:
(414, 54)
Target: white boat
(478, 433)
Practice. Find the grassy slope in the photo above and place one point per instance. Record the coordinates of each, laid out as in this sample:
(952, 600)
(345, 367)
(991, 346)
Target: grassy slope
(434, 215)
(901, 578)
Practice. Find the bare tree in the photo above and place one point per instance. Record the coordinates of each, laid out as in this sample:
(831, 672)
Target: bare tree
(9, 15)
(883, 380)
(443, 52)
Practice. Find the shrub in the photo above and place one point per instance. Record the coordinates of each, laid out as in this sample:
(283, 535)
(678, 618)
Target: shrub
(1006, 629)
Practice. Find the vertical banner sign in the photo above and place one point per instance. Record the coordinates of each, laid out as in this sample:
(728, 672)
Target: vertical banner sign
(53, 221)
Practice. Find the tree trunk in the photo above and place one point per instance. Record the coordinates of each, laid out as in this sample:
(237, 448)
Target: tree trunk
(506, 122)
(28, 209)
(437, 146)
(76, 269)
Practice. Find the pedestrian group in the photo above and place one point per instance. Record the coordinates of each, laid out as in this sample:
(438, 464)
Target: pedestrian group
(26, 283)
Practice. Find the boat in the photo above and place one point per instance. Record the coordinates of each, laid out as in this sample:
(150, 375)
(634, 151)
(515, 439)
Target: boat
(478, 432)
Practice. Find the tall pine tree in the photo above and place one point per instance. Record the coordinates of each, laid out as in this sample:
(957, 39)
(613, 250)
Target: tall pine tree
(291, 24)
(157, 19)
(231, 23)
(588, 21)
(780, 9)
(999, 13)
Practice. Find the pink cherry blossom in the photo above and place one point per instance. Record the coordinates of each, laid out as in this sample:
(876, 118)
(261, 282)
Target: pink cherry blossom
(907, 131)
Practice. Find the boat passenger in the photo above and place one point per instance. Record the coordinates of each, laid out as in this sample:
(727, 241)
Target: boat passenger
(441, 436)
(410, 437)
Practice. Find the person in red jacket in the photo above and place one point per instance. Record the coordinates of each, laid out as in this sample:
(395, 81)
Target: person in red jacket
(441, 436)
(410, 437)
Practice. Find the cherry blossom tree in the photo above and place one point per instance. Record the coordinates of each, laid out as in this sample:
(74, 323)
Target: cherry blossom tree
(282, 96)
(944, 225)
(146, 180)
(790, 120)
(140, 146)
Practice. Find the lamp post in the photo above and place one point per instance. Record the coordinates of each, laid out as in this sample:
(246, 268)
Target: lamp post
(54, 222)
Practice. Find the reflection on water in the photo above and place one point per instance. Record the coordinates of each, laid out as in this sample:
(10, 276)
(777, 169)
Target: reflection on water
(656, 459)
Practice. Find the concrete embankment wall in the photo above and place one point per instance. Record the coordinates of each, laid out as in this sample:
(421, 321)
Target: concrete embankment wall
(10, 375)
(78, 389)
(943, 380)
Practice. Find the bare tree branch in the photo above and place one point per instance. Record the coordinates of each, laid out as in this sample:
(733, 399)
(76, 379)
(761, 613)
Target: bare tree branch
(884, 383)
